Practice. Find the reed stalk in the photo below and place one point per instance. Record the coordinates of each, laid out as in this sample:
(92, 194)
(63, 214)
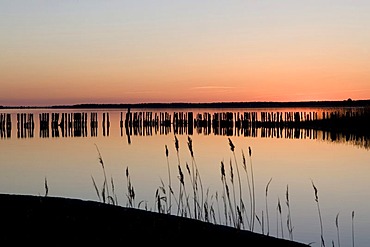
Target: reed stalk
(232, 182)
(105, 183)
(218, 208)
(232, 148)
(114, 196)
(281, 218)
(195, 178)
(158, 200)
(249, 190)
(46, 187)
(320, 218)
(353, 229)
(96, 188)
(289, 217)
(266, 205)
(169, 182)
(253, 190)
(260, 221)
(162, 189)
(181, 202)
(227, 193)
(183, 194)
(130, 190)
(337, 226)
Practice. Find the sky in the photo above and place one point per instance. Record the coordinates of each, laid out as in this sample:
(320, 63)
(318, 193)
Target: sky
(76, 51)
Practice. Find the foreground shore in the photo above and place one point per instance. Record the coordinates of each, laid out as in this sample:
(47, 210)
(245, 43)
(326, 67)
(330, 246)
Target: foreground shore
(56, 221)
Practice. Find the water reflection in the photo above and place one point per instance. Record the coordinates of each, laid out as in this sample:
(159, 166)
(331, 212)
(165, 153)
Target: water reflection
(5, 125)
(25, 125)
(343, 126)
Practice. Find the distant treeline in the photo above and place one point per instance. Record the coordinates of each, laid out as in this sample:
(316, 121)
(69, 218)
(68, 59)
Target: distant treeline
(344, 103)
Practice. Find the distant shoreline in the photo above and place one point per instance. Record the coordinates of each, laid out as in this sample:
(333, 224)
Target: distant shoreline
(260, 104)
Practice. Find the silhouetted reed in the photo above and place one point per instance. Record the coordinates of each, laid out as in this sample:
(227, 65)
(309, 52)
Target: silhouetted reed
(183, 208)
(266, 205)
(279, 213)
(169, 182)
(105, 185)
(96, 188)
(318, 209)
(130, 190)
(104, 195)
(337, 226)
(195, 180)
(159, 198)
(289, 217)
(46, 187)
(353, 229)
(261, 222)
(226, 196)
(251, 217)
(241, 204)
(235, 214)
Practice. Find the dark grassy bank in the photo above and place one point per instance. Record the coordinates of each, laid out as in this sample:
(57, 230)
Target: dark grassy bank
(57, 221)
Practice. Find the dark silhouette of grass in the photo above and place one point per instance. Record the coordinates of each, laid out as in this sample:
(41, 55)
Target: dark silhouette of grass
(337, 226)
(203, 209)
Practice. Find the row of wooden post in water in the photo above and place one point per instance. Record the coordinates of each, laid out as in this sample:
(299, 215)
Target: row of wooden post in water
(61, 124)
(148, 123)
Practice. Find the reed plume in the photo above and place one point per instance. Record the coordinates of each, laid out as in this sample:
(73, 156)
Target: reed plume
(278, 208)
(169, 181)
(318, 209)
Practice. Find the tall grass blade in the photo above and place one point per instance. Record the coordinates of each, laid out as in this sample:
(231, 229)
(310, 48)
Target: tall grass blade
(96, 188)
(46, 187)
(289, 217)
(337, 226)
(353, 229)
(266, 205)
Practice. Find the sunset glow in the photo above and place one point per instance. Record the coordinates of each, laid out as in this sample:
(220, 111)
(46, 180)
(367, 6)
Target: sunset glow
(71, 52)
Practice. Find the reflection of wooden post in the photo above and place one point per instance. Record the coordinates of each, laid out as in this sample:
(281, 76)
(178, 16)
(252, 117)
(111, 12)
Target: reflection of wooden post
(190, 123)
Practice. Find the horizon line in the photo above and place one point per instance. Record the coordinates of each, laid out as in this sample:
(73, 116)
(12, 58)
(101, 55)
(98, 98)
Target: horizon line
(227, 104)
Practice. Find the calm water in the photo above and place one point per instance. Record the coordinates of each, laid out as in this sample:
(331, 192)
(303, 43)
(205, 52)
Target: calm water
(339, 167)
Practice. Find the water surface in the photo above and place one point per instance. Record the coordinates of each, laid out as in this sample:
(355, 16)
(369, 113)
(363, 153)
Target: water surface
(338, 165)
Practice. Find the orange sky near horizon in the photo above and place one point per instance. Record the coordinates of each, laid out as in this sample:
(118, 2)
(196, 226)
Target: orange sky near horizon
(210, 51)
